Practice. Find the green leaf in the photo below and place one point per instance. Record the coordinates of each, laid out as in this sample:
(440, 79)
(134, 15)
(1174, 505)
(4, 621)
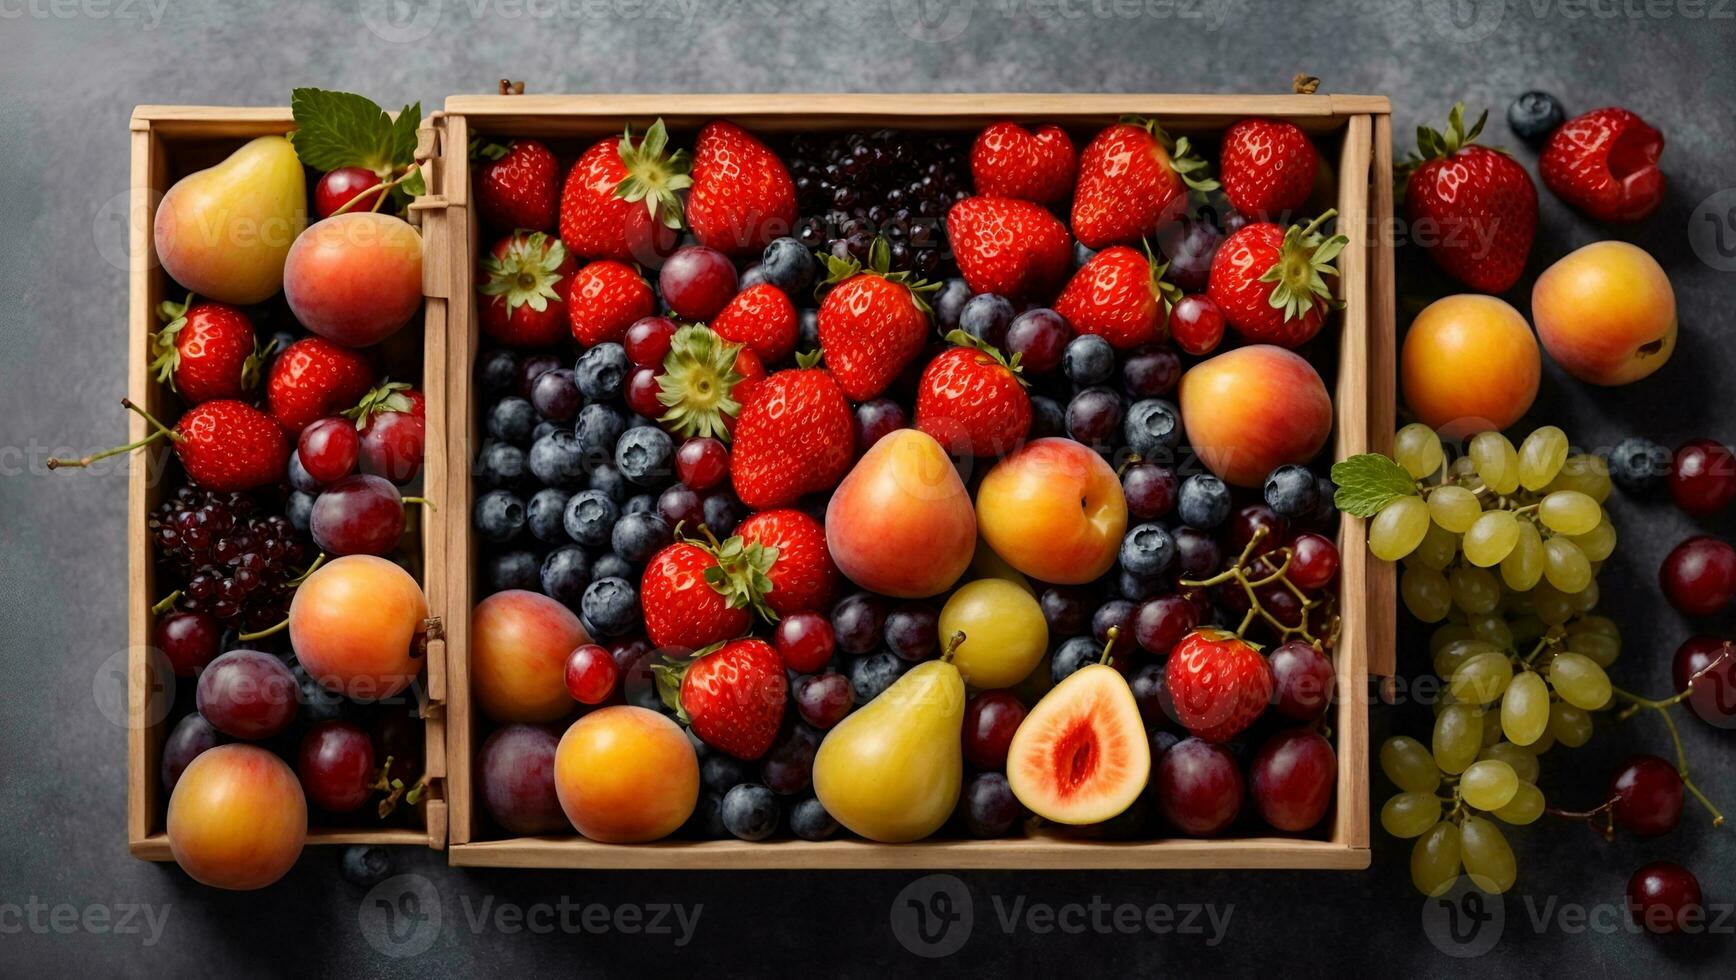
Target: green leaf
(1367, 483)
(341, 129)
(414, 185)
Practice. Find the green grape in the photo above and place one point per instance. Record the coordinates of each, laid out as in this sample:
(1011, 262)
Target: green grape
(1587, 473)
(1599, 542)
(1523, 762)
(1474, 590)
(1525, 806)
(1487, 857)
(1449, 658)
(1463, 470)
(1525, 708)
(1426, 593)
(1454, 508)
(1416, 448)
(1410, 814)
(1491, 538)
(1491, 628)
(1527, 630)
(1497, 462)
(1398, 528)
(1585, 600)
(1564, 565)
(1447, 633)
(1568, 725)
(1597, 637)
(1491, 727)
(1482, 678)
(1543, 744)
(1488, 784)
(1579, 681)
(1569, 512)
(1522, 569)
(1515, 604)
(1434, 861)
(1541, 456)
(1407, 763)
(1553, 607)
(1458, 737)
(1438, 548)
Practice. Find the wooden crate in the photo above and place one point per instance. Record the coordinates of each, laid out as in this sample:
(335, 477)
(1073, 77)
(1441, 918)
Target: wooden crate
(1360, 129)
(169, 142)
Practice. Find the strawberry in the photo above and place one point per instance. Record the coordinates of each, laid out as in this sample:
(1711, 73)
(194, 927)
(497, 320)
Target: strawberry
(972, 400)
(519, 186)
(1474, 209)
(1014, 248)
(762, 318)
(1133, 179)
(225, 445)
(704, 381)
(872, 322)
(525, 281)
(1119, 295)
(393, 423)
(752, 371)
(1605, 163)
(733, 695)
(1270, 282)
(605, 299)
(1218, 682)
(206, 350)
(742, 195)
(795, 436)
(695, 594)
(1267, 167)
(619, 201)
(1008, 160)
(314, 378)
(802, 575)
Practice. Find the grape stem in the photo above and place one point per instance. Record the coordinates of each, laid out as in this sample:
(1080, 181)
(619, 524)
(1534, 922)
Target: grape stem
(1662, 706)
(378, 192)
(166, 603)
(272, 630)
(1239, 572)
(1606, 810)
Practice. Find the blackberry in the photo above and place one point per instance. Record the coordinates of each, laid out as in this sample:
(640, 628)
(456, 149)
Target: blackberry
(853, 188)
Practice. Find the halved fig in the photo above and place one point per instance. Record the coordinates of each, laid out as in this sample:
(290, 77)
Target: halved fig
(1081, 756)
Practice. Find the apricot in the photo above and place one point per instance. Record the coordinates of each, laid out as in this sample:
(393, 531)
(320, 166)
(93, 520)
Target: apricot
(225, 231)
(353, 624)
(237, 818)
(1469, 364)
(1606, 313)
(901, 523)
(519, 643)
(1053, 510)
(1253, 409)
(625, 775)
(355, 278)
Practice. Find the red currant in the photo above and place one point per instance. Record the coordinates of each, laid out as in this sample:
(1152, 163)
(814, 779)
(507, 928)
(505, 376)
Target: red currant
(1313, 561)
(702, 462)
(591, 674)
(1196, 325)
(1703, 481)
(805, 641)
(642, 389)
(648, 340)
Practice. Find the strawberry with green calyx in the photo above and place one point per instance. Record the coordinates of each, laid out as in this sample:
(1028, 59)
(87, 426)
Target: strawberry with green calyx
(1273, 283)
(972, 400)
(621, 199)
(518, 186)
(872, 321)
(699, 381)
(393, 422)
(1120, 295)
(732, 694)
(314, 378)
(525, 282)
(1477, 203)
(224, 445)
(795, 436)
(696, 593)
(206, 350)
(1133, 179)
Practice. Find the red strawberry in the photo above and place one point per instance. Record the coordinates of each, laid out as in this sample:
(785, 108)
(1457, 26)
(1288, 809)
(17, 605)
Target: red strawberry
(519, 186)
(619, 201)
(1219, 684)
(1014, 248)
(1008, 160)
(752, 371)
(1271, 283)
(705, 380)
(733, 696)
(695, 595)
(794, 436)
(742, 195)
(1133, 179)
(802, 574)
(1119, 295)
(972, 401)
(206, 350)
(525, 281)
(314, 378)
(1267, 167)
(224, 445)
(606, 298)
(761, 317)
(393, 420)
(1476, 205)
(872, 322)
(1605, 163)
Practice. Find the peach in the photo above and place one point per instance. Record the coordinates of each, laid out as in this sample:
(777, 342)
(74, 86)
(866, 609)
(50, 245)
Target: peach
(625, 775)
(237, 818)
(901, 523)
(1053, 509)
(519, 642)
(354, 625)
(1606, 313)
(1252, 409)
(225, 231)
(1469, 364)
(355, 278)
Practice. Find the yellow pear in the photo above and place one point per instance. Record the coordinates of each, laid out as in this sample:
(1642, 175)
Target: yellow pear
(225, 231)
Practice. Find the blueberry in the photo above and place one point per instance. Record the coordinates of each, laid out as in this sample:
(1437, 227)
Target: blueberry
(986, 317)
(608, 480)
(1071, 655)
(557, 461)
(1637, 465)
(644, 455)
(787, 265)
(565, 574)
(590, 518)
(316, 702)
(639, 503)
(750, 811)
(1534, 115)
(1048, 418)
(1203, 501)
(610, 607)
(1292, 491)
(497, 372)
(721, 773)
(299, 509)
(511, 420)
(366, 865)
(501, 465)
(871, 675)
(810, 821)
(1082, 253)
(1325, 510)
(1088, 360)
(707, 820)
(754, 276)
(299, 477)
(544, 515)
(808, 330)
(611, 565)
(722, 512)
(640, 535)
(499, 515)
(1153, 428)
(948, 303)
(555, 395)
(598, 429)
(543, 427)
(1137, 588)
(602, 372)
(1147, 551)
(517, 569)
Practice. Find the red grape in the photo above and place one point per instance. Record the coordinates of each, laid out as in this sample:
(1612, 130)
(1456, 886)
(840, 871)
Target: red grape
(875, 419)
(1196, 553)
(191, 736)
(247, 694)
(1714, 697)
(805, 642)
(1703, 481)
(1648, 796)
(1292, 779)
(1664, 897)
(1151, 693)
(788, 767)
(517, 774)
(1302, 681)
(1066, 609)
(1196, 325)
(681, 506)
(1199, 787)
(358, 515)
(394, 444)
(912, 631)
(702, 462)
(648, 340)
(990, 808)
(823, 699)
(1039, 337)
(990, 719)
(591, 674)
(188, 639)
(339, 187)
(532, 368)
(1243, 523)
(697, 282)
(329, 449)
(1313, 561)
(336, 766)
(642, 390)
(1699, 576)
(1151, 372)
(1149, 489)
(1161, 622)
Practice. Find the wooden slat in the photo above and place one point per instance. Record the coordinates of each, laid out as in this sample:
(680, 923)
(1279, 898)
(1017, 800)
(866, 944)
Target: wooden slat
(1383, 390)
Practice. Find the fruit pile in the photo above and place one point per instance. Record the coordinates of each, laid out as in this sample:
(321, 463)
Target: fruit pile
(839, 486)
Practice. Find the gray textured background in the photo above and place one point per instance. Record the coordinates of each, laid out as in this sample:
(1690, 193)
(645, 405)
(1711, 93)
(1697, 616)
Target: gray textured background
(70, 72)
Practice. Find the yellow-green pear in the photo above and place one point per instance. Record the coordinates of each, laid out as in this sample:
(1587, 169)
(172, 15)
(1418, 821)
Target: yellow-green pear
(225, 231)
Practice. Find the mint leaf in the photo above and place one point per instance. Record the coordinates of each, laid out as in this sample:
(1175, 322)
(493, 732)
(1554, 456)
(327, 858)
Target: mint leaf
(341, 129)
(1367, 483)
